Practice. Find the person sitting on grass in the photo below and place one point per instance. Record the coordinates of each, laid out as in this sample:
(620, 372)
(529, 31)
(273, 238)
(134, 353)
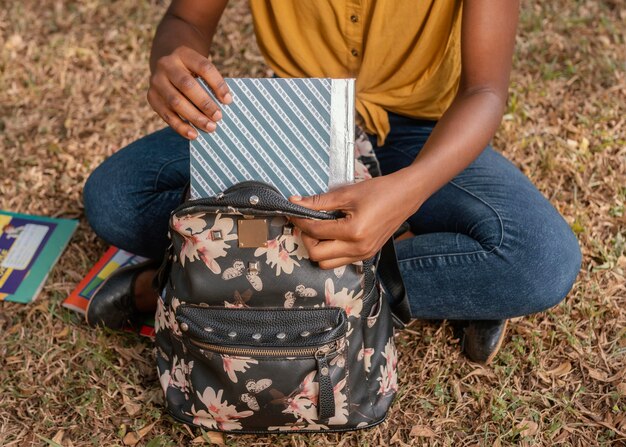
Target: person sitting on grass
(431, 88)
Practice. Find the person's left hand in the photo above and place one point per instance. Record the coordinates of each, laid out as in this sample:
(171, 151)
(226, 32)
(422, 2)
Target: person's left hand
(373, 210)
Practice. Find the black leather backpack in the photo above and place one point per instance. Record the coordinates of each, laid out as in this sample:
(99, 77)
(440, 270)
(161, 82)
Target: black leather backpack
(253, 337)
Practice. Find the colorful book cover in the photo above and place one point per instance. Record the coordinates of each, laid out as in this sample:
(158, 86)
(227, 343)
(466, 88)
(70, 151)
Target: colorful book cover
(29, 248)
(295, 134)
(113, 259)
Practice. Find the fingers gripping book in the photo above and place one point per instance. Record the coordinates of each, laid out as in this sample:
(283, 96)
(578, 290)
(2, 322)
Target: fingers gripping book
(295, 134)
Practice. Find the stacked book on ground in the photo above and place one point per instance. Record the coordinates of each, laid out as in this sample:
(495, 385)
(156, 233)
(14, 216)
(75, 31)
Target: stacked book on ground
(113, 259)
(29, 247)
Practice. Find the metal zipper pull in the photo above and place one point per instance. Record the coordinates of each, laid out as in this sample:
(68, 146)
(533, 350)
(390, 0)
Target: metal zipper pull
(326, 398)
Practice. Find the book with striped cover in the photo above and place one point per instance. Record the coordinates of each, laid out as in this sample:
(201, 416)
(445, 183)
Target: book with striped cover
(295, 134)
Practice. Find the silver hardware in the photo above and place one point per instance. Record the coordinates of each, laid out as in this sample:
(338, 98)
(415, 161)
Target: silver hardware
(184, 327)
(328, 329)
(216, 235)
(256, 336)
(219, 196)
(175, 258)
(254, 200)
(287, 230)
(324, 371)
(254, 266)
(281, 335)
(359, 268)
(208, 329)
(305, 334)
(232, 334)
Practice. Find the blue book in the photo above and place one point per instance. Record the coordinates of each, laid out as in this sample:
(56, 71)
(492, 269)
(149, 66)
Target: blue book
(29, 248)
(295, 134)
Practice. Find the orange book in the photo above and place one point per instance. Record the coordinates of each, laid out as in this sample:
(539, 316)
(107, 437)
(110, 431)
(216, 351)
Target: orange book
(113, 259)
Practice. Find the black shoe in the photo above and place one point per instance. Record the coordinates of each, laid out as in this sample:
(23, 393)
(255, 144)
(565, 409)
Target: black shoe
(113, 302)
(480, 339)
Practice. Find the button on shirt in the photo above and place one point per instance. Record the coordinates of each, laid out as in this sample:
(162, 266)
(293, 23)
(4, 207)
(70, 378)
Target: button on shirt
(404, 54)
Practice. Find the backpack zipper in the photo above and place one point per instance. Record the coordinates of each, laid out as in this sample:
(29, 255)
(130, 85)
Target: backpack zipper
(276, 352)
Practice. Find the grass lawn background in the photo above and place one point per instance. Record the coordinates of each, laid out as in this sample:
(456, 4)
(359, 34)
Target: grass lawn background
(73, 81)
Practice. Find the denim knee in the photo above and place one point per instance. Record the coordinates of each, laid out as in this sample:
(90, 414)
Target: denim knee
(545, 268)
(123, 207)
(96, 195)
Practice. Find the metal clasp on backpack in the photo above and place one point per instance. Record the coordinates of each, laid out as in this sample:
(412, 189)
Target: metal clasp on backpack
(252, 232)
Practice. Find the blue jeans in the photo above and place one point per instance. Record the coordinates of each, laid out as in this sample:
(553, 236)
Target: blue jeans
(488, 245)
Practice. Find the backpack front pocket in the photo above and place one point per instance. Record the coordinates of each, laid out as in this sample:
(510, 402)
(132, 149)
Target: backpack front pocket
(265, 368)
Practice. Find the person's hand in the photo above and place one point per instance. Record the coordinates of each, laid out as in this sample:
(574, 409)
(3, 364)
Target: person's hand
(178, 98)
(373, 210)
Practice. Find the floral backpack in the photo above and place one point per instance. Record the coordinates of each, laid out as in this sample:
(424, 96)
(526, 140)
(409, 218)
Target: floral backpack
(253, 337)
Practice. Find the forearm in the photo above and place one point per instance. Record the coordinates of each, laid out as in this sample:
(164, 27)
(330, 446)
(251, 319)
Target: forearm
(487, 42)
(458, 139)
(186, 23)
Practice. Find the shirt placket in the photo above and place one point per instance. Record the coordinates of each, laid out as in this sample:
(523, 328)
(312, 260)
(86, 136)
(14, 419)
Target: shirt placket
(354, 35)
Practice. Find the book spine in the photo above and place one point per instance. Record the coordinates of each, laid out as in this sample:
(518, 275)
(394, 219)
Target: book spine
(341, 132)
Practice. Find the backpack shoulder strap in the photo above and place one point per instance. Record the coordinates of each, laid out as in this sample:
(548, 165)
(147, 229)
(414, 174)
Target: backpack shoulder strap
(391, 279)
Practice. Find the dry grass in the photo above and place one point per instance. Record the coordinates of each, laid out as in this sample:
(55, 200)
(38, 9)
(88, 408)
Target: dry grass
(72, 88)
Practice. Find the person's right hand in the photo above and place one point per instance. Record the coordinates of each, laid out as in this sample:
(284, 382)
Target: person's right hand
(178, 98)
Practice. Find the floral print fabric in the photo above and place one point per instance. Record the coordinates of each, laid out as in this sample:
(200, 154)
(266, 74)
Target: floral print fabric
(239, 386)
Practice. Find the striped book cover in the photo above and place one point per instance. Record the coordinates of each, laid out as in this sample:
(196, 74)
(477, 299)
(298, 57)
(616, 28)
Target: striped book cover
(295, 134)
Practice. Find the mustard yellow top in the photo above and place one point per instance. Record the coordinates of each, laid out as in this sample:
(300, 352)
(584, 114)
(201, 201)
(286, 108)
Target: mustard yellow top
(404, 54)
